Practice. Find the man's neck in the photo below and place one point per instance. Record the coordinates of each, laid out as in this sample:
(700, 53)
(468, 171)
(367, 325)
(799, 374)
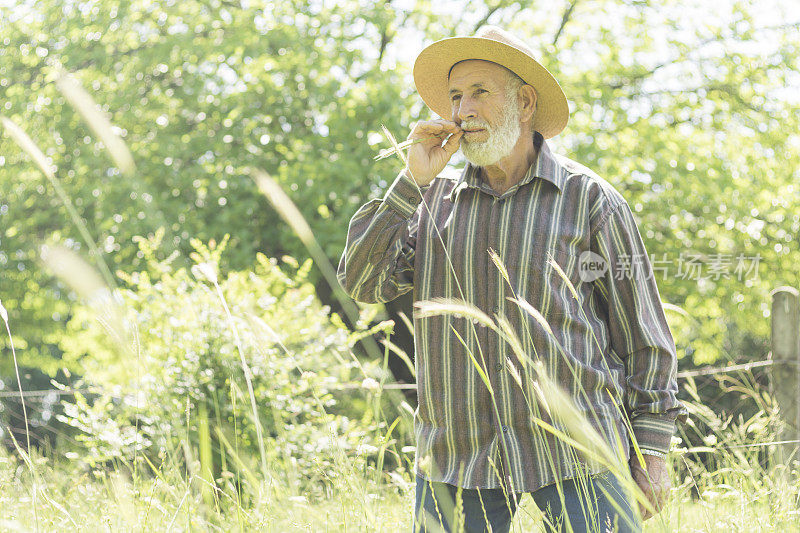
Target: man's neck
(511, 169)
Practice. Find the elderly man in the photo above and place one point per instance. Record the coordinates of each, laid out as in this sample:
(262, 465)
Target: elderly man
(485, 433)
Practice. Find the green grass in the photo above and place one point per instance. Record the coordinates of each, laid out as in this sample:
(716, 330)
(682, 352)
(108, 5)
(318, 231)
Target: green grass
(71, 499)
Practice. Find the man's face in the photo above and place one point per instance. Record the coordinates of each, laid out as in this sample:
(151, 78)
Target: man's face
(484, 109)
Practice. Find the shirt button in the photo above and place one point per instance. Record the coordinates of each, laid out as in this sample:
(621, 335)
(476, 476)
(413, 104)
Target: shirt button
(412, 199)
(505, 429)
(496, 310)
(499, 366)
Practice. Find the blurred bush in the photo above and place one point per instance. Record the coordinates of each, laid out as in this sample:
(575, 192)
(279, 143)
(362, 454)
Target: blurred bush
(180, 387)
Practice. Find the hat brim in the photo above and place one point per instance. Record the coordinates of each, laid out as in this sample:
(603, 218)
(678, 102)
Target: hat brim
(433, 64)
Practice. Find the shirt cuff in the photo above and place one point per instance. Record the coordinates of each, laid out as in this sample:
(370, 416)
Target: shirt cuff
(653, 432)
(403, 195)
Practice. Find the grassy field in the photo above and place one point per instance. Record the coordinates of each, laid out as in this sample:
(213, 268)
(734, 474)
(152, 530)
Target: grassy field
(59, 497)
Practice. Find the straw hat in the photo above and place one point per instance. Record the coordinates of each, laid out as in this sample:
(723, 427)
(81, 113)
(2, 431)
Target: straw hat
(433, 64)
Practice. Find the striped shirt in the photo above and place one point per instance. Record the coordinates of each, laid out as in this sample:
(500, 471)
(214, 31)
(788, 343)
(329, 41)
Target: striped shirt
(613, 340)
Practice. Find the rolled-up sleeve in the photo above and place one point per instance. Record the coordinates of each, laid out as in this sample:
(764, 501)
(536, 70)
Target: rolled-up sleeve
(377, 264)
(638, 330)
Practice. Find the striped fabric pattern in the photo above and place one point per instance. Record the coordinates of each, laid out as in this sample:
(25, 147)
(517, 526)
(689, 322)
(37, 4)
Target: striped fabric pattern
(610, 349)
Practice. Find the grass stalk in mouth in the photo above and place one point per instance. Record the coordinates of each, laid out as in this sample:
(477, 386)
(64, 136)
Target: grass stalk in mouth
(397, 147)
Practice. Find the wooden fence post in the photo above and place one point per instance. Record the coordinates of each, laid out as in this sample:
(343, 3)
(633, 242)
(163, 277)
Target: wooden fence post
(785, 370)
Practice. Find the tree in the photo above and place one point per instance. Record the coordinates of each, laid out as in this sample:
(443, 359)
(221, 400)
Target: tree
(200, 91)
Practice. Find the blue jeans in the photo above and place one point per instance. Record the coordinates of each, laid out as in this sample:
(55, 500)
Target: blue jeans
(434, 508)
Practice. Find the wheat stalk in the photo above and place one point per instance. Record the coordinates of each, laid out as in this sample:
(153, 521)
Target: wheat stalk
(387, 152)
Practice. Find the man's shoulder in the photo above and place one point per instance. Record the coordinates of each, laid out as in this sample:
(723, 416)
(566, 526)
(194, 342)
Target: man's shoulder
(587, 179)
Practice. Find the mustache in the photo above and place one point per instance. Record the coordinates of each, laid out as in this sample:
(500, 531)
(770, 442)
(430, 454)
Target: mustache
(471, 124)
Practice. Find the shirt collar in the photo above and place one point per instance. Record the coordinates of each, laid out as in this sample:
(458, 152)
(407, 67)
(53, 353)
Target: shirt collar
(544, 167)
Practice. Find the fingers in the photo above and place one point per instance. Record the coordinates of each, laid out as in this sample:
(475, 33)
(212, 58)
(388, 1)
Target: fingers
(645, 513)
(433, 128)
(661, 488)
(452, 143)
(654, 483)
(640, 477)
(659, 478)
(435, 142)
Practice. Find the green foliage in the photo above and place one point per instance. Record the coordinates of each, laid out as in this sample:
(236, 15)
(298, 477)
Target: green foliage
(186, 361)
(198, 91)
(687, 111)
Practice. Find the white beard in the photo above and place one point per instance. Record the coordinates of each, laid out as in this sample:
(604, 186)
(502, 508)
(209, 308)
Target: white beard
(501, 141)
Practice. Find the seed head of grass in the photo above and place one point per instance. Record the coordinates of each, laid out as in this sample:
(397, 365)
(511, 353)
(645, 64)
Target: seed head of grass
(514, 372)
(388, 152)
(498, 262)
(396, 148)
(449, 306)
(675, 309)
(284, 206)
(28, 146)
(205, 270)
(531, 310)
(289, 212)
(511, 337)
(80, 99)
(561, 407)
(552, 262)
(81, 277)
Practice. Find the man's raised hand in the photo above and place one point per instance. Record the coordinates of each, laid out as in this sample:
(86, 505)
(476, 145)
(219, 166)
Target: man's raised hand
(427, 158)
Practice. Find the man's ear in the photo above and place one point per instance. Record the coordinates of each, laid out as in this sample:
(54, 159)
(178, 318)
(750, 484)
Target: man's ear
(528, 98)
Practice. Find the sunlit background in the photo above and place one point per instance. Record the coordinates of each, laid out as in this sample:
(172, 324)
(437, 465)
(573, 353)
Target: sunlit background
(690, 109)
